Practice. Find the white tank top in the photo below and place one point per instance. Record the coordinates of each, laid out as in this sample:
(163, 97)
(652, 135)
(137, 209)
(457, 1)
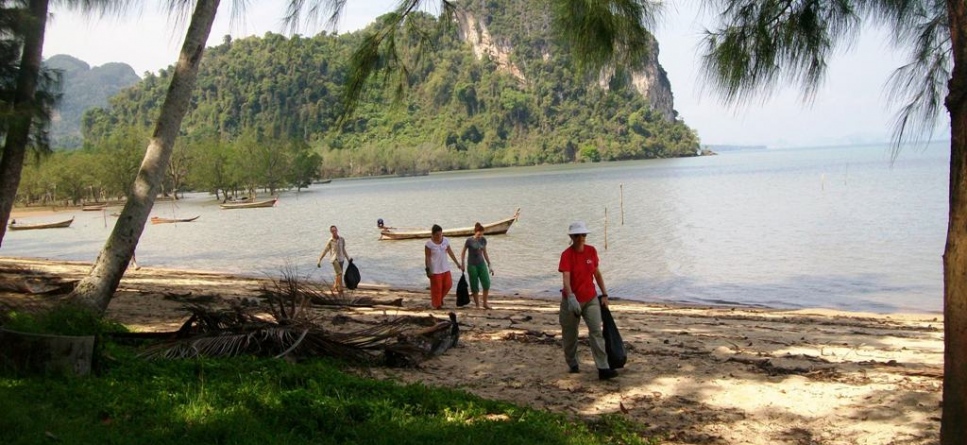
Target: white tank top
(439, 262)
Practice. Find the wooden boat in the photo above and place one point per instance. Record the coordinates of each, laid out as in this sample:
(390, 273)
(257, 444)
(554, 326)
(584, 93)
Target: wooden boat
(53, 225)
(495, 228)
(93, 207)
(249, 205)
(159, 220)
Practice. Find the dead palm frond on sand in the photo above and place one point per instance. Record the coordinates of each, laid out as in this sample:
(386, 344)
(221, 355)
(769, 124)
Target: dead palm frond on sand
(286, 327)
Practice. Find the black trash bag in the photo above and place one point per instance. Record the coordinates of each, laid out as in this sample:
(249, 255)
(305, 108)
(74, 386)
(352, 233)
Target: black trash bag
(613, 345)
(463, 291)
(351, 278)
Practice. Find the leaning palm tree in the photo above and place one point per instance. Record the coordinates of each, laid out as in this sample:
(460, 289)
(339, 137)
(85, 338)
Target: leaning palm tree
(761, 43)
(97, 288)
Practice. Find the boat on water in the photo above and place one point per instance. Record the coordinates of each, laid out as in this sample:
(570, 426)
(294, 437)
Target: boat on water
(93, 207)
(159, 220)
(14, 225)
(249, 205)
(495, 228)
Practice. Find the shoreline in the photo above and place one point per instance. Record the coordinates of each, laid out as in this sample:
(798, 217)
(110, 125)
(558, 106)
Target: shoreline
(695, 375)
(413, 290)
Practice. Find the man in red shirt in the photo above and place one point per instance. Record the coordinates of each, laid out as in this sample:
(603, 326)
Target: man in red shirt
(579, 267)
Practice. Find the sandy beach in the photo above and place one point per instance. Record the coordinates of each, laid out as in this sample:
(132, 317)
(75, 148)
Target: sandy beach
(695, 375)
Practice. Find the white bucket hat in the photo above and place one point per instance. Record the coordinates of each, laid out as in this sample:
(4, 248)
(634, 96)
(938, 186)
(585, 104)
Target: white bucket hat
(578, 228)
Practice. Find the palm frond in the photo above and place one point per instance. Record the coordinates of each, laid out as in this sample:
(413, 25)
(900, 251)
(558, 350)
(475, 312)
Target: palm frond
(234, 332)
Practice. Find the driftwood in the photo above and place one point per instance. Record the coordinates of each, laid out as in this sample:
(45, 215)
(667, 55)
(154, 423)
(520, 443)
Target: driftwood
(416, 346)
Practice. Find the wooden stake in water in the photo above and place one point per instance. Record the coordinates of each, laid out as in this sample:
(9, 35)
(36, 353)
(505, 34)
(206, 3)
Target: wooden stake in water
(605, 228)
(621, 187)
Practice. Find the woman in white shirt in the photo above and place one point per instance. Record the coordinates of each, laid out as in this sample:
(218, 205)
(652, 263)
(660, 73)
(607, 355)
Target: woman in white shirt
(437, 267)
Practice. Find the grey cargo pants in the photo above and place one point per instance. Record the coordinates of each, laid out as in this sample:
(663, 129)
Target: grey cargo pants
(591, 311)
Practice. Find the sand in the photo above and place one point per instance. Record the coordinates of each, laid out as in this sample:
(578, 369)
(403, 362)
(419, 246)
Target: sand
(695, 375)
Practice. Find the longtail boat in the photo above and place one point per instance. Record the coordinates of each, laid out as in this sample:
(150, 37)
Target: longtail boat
(159, 220)
(495, 228)
(249, 205)
(33, 226)
(93, 207)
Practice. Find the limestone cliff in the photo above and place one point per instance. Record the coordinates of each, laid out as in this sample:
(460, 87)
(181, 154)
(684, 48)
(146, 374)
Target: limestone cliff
(651, 81)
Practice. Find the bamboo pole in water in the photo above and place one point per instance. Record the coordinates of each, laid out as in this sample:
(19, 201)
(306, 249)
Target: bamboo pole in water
(621, 187)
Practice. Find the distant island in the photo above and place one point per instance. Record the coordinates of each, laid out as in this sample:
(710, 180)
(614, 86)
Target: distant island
(720, 148)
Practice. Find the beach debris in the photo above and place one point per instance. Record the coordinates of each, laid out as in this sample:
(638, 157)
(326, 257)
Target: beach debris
(241, 331)
(25, 281)
(412, 348)
(286, 327)
(291, 289)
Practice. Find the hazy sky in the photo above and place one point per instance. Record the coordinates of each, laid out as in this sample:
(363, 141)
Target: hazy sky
(851, 106)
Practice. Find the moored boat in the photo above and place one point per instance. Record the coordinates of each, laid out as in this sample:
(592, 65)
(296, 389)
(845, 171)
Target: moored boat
(249, 205)
(495, 228)
(159, 220)
(14, 225)
(93, 207)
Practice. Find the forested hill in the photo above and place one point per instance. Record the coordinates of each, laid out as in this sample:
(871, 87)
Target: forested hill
(494, 90)
(83, 88)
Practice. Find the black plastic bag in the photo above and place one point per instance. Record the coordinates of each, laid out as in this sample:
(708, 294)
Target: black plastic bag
(463, 291)
(613, 345)
(351, 278)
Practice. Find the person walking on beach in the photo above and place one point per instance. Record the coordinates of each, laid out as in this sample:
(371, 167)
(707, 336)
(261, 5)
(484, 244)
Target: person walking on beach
(478, 264)
(337, 245)
(578, 266)
(438, 267)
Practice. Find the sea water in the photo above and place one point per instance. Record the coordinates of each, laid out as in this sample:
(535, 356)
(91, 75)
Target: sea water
(847, 228)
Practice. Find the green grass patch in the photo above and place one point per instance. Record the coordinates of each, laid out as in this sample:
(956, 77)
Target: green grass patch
(260, 401)
(61, 320)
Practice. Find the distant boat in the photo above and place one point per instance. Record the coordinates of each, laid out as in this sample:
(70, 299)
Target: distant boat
(53, 225)
(495, 228)
(93, 207)
(324, 181)
(249, 205)
(158, 220)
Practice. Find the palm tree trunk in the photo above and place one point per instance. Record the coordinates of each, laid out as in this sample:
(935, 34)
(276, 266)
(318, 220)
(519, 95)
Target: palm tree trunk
(25, 103)
(97, 288)
(953, 428)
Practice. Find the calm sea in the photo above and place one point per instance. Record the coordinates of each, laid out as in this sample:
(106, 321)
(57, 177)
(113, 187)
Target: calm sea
(833, 227)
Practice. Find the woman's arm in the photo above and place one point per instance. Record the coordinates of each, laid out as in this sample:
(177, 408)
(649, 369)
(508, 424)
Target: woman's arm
(426, 259)
(463, 253)
(604, 291)
(567, 284)
(323, 254)
(454, 257)
(487, 257)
